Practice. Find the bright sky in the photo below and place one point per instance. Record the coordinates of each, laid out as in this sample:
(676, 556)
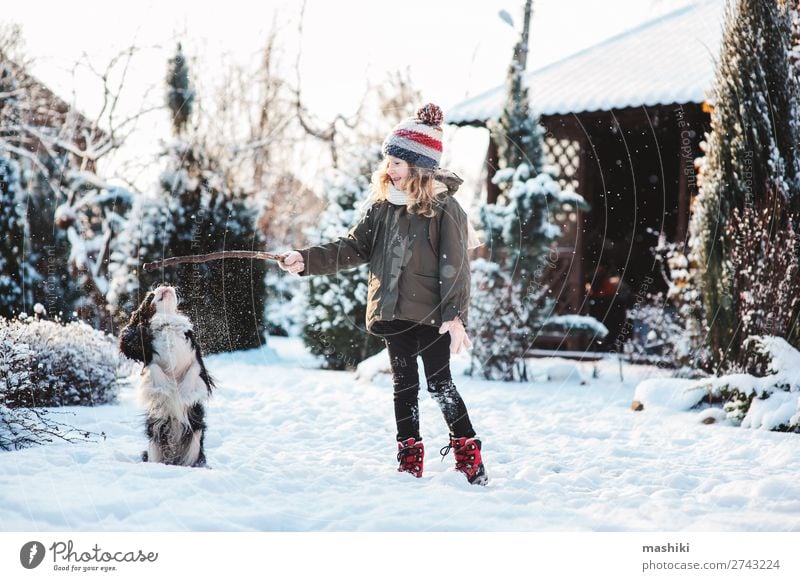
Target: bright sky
(453, 48)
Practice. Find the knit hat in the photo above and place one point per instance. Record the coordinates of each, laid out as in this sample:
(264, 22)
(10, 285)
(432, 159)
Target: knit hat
(418, 140)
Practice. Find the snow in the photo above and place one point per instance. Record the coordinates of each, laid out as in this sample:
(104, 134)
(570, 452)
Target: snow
(579, 322)
(293, 448)
(670, 393)
(776, 396)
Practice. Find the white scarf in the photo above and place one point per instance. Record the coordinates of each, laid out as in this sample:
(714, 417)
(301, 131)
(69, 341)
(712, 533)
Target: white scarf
(401, 198)
(398, 197)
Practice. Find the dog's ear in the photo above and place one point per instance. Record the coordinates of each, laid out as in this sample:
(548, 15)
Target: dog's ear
(145, 311)
(150, 307)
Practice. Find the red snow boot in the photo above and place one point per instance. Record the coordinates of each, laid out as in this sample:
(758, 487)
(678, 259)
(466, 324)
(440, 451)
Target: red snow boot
(468, 459)
(410, 454)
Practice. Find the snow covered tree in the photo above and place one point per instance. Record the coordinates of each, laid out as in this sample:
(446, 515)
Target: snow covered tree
(57, 150)
(751, 151)
(337, 304)
(91, 218)
(17, 274)
(520, 232)
(196, 210)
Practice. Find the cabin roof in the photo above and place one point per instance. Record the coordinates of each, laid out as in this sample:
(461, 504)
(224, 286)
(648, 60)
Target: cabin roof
(670, 59)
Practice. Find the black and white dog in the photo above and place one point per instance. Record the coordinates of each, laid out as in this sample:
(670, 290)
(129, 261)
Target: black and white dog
(175, 384)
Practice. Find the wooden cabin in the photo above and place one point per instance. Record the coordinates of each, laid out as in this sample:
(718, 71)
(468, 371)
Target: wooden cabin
(624, 122)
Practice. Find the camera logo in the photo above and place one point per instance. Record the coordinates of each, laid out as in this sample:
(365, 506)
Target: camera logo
(31, 554)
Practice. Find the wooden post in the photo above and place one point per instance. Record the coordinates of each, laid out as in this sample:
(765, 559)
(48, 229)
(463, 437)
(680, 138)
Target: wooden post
(492, 190)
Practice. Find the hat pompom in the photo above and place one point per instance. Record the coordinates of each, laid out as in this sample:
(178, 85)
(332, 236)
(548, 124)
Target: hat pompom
(430, 114)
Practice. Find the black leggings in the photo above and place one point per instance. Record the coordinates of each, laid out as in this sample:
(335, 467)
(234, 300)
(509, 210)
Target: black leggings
(405, 340)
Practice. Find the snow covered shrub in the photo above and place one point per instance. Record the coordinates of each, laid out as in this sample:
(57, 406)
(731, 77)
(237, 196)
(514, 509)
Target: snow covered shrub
(659, 334)
(770, 401)
(47, 364)
(285, 304)
(496, 314)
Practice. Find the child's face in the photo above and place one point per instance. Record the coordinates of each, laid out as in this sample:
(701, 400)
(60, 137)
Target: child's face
(398, 171)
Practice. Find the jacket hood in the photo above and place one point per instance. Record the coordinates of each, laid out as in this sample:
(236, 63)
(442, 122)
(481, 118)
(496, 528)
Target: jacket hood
(448, 179)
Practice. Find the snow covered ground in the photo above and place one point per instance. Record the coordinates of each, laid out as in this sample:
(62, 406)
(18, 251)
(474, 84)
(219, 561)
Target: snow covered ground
(296, 448)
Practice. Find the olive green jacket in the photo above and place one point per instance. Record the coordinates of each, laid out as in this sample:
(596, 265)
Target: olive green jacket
(418, 266)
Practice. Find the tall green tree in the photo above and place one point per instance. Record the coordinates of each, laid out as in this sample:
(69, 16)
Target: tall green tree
(752, 153)
(195, 210)
(180, 94)
(520, 232)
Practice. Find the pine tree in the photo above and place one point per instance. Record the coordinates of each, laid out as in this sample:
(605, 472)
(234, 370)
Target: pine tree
(518, 135)
(337, 304)
(752, 150)
(194, 211)
(521, 232)
(16, 273)
(180, 94)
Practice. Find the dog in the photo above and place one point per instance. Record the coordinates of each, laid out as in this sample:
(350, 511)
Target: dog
(175, 384)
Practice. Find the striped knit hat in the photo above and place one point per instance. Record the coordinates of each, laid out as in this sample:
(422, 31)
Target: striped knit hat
(418, 140)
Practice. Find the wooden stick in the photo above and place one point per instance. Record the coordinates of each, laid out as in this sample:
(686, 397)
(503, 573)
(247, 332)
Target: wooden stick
(150, 266)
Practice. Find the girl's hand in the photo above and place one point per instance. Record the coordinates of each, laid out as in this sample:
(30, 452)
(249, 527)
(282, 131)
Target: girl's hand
(458, 336)
(292, 262)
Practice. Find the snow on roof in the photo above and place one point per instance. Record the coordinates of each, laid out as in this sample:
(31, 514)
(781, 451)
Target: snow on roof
(670, 59)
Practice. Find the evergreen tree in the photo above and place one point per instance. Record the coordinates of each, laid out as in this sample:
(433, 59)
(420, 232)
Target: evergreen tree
(752, 150)
(195, 211)
(518, 135)
(520, 232)
(337, 304)
(42, 171)
(180, 95)
(16, 273)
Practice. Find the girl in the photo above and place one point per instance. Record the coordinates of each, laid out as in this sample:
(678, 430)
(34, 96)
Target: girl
(414, 236)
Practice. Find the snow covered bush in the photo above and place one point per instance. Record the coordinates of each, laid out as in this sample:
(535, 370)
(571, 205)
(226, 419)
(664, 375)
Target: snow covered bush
(521, 234)
(501, 341)
(678, 318)
(769, 400)
(500, 338)
(91, 219)
(285, 304)
(47, 364)
(659, 335)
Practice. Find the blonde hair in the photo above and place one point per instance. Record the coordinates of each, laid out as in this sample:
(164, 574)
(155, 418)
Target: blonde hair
(418, 186)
